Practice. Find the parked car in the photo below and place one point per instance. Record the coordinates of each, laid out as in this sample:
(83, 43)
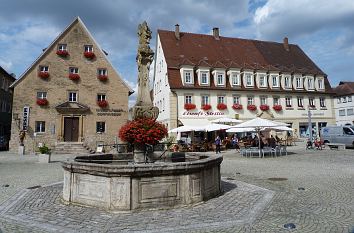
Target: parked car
(4, 143)
(338, 134)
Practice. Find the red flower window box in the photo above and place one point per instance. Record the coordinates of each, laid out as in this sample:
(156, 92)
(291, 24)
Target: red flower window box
(43, 74)
(102, 77)
(237, 106)
(206, 107)
(252, 107)
(89, 55)
(74, 76)
(264, 107)
(277, 108)
(189, 106)
(102, 103)
(62, 53)
(42, 102)
(221, 106)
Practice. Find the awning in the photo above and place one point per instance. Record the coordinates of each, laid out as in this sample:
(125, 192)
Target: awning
(195, 122)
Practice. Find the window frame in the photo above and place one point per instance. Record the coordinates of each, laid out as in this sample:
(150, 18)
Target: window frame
(104, 127)
(220, 77)
(102, 71)
(288, 102)
(203, 98)
(276, 78)
(185, 72)
(40, 127)
(71, 95)
(221, 99)
(62, 47)
(262, 77)
(248, 77)
(44, 68)
(276, 101)
(73, 70)
(263, 100)
(250, 100)
(188, 99)
(88, 48)
(206, 78)
(101, 96)
(322, 102)
(299, 84)
(236, 99)
(312, 102)
(300, 102)
(341, 110)
(42, 95)
(235, 78)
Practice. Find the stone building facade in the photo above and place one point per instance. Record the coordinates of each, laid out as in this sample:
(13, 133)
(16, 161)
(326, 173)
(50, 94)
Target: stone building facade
(278, 79)
(5, 103)
(71, 93)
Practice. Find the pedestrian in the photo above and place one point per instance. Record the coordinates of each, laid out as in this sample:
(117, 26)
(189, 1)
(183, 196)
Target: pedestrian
(217, 145)
(235, 143)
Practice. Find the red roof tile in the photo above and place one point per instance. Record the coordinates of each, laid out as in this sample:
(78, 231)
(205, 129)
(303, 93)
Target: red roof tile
(344, 88)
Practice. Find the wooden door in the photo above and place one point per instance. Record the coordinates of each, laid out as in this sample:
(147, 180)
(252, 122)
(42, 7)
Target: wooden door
(71, 129)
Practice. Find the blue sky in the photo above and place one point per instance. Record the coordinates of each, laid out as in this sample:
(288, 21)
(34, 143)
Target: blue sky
(323, 29)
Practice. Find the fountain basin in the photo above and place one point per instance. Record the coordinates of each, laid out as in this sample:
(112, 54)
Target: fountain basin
(105, 182)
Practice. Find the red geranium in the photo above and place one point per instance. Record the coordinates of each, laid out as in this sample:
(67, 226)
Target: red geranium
(264, 107)
(252, 107)
(237, 106)
(62, 53)
(74, 76)
(102, 77)
(89, 55)
(143, 131)
(277, 108)
(206, 107)
(221, 106)
(102, 103)
(43, 74)
(42, 102)
(189, 106)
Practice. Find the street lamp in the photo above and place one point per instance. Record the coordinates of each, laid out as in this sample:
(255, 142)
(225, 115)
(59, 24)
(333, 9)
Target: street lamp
(309, 122)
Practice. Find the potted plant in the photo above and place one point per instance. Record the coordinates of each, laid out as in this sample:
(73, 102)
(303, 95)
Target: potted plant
(264, 107)
(188, 106)
(43, 74)
(102, 103)
(42, 102)
(74, 77)
(62, 53)
(277, 107)
(237, 106)
(45, 154)
(252, 107)
(102, 77)
(89, 55)
(221, 106)
(206, 107)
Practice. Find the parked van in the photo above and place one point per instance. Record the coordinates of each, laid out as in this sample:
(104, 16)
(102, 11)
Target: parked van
(338, 134)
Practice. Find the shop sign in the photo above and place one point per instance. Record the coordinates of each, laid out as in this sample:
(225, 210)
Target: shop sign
(109, 112)
(202, 114)
(26, 113)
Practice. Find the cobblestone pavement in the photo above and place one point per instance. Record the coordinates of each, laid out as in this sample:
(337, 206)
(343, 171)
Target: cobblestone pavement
(251, 202)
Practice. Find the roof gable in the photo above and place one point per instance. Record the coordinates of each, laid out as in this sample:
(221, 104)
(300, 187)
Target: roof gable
(344, 88)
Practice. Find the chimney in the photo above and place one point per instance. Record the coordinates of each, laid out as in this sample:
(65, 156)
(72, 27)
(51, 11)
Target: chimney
(286, 44)
(216, 33)
(178, 37)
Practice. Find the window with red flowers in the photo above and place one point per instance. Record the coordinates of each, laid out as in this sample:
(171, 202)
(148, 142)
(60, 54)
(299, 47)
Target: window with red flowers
(62, 50)
(206, 107)
(264, 107)
(221, 106)
(102, 74)
(42, 98)
(237, 106)
(189, 106)
(252, 107)
(88, 52)
(101, 100)
(74, 73)
(43, 72)
(277, 108)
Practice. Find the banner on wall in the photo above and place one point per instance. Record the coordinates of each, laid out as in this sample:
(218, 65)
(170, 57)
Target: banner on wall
(26, 113)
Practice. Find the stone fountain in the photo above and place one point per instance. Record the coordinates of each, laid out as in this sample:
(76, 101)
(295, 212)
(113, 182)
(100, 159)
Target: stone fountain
(107, 182)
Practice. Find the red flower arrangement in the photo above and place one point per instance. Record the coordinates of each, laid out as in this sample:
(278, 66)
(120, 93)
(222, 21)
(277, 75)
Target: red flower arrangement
(221, 106)
(89, 55)
(42, 102)
(143, 131)
(102, 103)
(277, 108)
(264, 107)
(189, 106)
(62, 53)
(74, 77)
(252, 107)
(102, 77)
(237, 106)
(43, 74)
(206, 107)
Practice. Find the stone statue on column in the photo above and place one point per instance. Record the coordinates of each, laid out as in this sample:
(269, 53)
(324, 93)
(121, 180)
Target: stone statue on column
(144, 58)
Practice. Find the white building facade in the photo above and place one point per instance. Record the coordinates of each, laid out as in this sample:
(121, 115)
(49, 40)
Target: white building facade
(200, 77)
(344, 103)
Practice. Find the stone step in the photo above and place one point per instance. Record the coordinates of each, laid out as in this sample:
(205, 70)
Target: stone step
(71, 148)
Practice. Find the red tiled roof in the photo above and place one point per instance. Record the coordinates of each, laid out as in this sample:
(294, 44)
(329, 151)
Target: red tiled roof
(232, 53)
(344, 88)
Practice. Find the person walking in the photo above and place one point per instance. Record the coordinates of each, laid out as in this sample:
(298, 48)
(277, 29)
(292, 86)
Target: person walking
(217, 145)
(235, 143)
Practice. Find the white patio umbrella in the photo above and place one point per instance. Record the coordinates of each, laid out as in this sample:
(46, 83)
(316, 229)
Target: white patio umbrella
(258, 124)
(226, 120)
(240, 130)
(186, 128)
(279, 128)
(215, 127)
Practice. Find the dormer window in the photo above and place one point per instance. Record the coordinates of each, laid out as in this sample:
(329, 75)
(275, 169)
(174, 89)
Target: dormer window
(320, 84)
(249, 79)
(275, 80)
(204, 77)
(262, 80)
(219, 79)
(298, 82)
(310, 83)
(287, 81)
(235, 79)
(187, 74)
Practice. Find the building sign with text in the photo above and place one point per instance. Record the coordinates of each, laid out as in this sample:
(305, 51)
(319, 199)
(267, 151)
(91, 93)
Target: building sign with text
(109, 112)
(25, 120)
(202, 114)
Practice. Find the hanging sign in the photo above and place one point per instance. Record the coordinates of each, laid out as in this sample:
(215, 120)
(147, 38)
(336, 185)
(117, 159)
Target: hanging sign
(26, 113)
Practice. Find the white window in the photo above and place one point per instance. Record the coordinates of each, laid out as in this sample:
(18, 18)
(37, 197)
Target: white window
(322, 102)
(62, 47)
(300, 102)
(287, 82)
(298, 82)
(188, 99)
(188, 77)
(275, 81)
(221, 99)
(276, 101)
(312, 102)
(349, 98)
(262, 82)
(88, 48)
(220, 78)
(41, 95)
(101, 97)
(344, 99)
(350, 111)
(310, 83)
(320, 84)
(72, 96)
(338, 100)
(204, 78)
(341, 112)
(288, 102)
(236, 99)
(100, 127)
(43, 68)
(205, 100)
(263, 100)
(40, 126)
(249, 81)
(250, 101)
(235, 79)
(102, 71)
(74, 70)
